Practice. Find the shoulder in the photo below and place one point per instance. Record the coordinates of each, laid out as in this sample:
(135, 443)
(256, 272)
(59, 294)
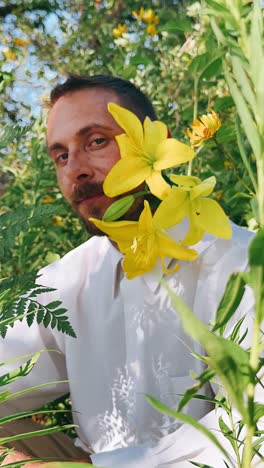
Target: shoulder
(76, 263)
(229, 255)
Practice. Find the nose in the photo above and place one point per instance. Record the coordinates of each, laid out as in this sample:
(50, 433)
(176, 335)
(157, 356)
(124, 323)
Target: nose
(79, 167)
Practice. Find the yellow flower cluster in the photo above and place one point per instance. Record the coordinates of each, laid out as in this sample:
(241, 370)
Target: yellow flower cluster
(149, 17)
(46, 200)
(9, 54)
(20, 42)
(146, 151)
(119, 30)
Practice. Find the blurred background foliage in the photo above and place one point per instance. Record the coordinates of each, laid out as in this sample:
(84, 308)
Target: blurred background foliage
(166, 47)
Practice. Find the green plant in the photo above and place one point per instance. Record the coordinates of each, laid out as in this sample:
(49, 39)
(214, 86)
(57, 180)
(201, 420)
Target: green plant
(18, 301)
(238, 27)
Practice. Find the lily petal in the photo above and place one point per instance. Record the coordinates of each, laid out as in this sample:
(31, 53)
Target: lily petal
(204, 188)
(125, 175)
(135, 268)
(157, 185)
(195, 233)
(168, 271)
(126, 147)
(145, 219)
(128, 121)
(172, 209)
(154, 133)
(171, 152)
(212, 218)
(169, 248)
(120, 232)
(185, 181)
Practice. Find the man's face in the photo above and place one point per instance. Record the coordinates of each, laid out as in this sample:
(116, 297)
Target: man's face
(81, 142)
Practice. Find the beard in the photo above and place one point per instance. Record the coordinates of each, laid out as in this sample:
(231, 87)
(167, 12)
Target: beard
(91, 189)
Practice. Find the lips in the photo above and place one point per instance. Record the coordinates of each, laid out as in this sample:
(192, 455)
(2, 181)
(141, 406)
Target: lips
(90, 200)
(87, 193)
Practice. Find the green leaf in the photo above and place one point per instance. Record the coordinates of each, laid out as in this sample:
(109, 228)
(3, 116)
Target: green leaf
(28, 414)
(139, 60)
(230, 301)
(223, 103)
(255, 207)
(186, 419)
(10, 133)
(41, 432)
(243, 154)
(258, 411)
(21, 371)
(175, 24)
(54, 305)
(212, 69)
(70, 464)
(243, 81)
(218, 7)
(256, 249)
(227, 359)
(227, 432)
(245, 115)
(226, 133)
(191, 392)
(256, 48)
(201, 465)
(199, 63)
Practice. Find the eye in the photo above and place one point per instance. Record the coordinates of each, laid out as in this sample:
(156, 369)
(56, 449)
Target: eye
(61, 158)
(100, 141)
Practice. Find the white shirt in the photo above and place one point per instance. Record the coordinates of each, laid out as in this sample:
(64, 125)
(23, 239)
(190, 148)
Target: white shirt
(129, 342)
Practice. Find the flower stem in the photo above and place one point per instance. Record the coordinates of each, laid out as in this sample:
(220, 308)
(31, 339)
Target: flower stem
(195, 113)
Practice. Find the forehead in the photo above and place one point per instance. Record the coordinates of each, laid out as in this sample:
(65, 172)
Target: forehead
(77, 109)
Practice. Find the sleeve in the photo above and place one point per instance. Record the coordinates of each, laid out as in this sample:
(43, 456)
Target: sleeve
(20, 343)
(179, 450)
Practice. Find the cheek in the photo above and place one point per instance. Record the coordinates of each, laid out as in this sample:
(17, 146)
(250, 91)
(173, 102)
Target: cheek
(113, 159)
(64, 185)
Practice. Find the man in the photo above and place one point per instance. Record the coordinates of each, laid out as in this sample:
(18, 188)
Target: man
(129, 339)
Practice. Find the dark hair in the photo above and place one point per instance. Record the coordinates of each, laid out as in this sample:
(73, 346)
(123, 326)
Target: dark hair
(131, 96)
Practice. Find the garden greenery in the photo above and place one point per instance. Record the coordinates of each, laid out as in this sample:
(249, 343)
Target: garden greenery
(210, 56)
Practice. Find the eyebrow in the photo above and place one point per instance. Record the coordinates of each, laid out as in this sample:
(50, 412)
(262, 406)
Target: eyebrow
(83, 131)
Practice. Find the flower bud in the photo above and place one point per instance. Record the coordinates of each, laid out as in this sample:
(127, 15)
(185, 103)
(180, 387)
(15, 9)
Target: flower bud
(118, 208)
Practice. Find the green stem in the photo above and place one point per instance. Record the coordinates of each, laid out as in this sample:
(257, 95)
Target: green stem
(236, 449)
(260, 192)
(244, 156)
(228, 155)
(195, 113)
(254, 364)
(139, 194)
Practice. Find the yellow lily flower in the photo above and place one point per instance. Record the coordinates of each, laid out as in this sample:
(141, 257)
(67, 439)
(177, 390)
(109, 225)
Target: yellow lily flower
(145, 151)
(143, 242)
(189, 199)
(119, 30)
(204, 128)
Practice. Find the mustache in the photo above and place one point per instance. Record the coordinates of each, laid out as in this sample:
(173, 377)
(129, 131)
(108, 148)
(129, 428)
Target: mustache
(86, 190)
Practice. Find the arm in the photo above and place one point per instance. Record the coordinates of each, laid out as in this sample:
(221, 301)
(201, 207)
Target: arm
(15, 456)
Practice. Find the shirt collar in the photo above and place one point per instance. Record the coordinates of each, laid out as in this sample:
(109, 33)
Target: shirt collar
(152, 278)
(116, 262)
